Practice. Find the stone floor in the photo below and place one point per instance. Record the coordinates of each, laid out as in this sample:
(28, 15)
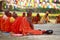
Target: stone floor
(54, 36)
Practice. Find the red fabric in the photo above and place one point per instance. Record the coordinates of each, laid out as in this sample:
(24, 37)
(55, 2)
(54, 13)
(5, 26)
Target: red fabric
(36, 32)
(21, 25)
(27, 29)
(37, 19)
(7, 25)
(25, 26)
(15, 26)
(2, 24)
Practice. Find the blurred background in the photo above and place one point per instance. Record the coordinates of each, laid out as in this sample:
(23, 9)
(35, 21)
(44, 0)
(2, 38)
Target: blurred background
(53, 6)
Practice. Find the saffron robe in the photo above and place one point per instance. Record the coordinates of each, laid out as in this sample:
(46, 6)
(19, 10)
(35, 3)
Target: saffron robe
(2, 24)
(7, 25)
(21, 25)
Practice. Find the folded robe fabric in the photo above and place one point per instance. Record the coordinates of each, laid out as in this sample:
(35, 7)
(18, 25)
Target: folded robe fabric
(15, 26)
(2, 24)
(7, 25)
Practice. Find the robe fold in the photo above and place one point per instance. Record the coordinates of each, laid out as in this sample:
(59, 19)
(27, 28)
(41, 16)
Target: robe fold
(2, 24)
(7, 25)
(15, 25)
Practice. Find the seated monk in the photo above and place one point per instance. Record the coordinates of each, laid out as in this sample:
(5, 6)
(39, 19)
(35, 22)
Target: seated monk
(44, 19)
(14, 16)
(58, 19)
(36, 19)
(10, 21)
(7, 23)
(3, 18)
(29, 18)
(16, 23)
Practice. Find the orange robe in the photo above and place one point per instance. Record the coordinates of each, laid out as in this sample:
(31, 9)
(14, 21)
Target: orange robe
(27, 29)
(37, 19)
(21, 25)
(2, 24)
(7, 25)
(16, 25)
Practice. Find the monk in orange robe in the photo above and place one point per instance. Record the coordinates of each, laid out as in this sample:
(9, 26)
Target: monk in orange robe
(16, 25)
(8, 23)
(3, 18)
(36, 19)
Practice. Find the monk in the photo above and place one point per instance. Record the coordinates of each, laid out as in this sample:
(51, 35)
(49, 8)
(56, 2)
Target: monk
(3, 18)
(14, 16)
(11, 19)
(45, 19)
(36, 19)
(29, 18)
(16, 25)
(6, 24)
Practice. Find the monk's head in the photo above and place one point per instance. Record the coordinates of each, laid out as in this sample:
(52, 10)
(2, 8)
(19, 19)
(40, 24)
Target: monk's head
(46, 13)
(29, 14)
(23, 15)
(7, 13)
(14, 15)
(38, 15)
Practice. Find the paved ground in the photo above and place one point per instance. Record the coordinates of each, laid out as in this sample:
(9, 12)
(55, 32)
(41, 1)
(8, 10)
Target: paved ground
(54, 36)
